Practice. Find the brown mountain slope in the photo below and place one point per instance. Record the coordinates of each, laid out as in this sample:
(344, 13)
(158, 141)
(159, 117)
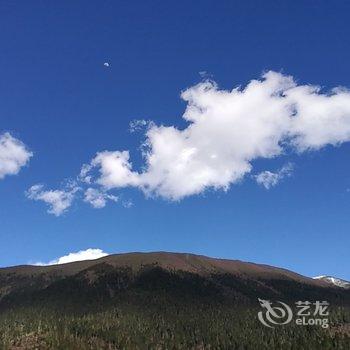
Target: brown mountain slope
(197, 264)
(176, 300)
(144, 276)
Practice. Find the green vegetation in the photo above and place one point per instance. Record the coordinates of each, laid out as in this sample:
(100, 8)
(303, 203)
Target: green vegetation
(162, 324)
(111, 307)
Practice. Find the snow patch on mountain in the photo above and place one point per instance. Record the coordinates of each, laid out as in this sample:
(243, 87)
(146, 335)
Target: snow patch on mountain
(334, 281)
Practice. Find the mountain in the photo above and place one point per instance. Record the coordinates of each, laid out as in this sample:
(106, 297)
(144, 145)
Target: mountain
(175, 273)
(161, 301)
(334, 281)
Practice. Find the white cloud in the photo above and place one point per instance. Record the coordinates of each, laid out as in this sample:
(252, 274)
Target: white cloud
(205, 75)
(226, 132)
(97, 198)
(13, 155)
(114, 168)
(269, 179)
(84, 174)
(58, 200)
(88, 254)
(106, 64)
(139, 124)
(128, 203)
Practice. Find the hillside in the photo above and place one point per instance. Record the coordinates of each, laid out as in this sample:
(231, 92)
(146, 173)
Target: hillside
(192, 263)
(120, 273)
(159, 300)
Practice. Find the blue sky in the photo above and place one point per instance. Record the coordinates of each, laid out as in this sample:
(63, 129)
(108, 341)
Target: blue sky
(59, 99)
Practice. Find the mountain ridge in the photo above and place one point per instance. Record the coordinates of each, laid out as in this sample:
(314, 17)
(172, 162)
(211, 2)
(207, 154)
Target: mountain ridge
(169, 260)
(125, 301)
(178, 275)
(335, 281)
